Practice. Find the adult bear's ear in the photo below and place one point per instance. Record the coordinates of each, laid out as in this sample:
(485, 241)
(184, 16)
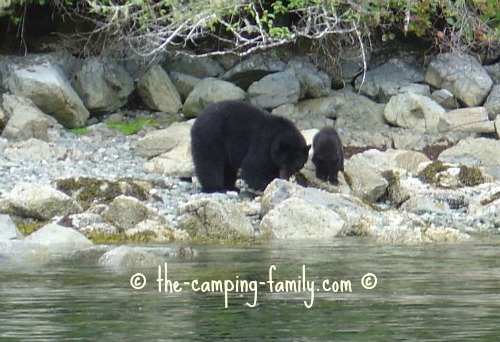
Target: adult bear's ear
(308, 148)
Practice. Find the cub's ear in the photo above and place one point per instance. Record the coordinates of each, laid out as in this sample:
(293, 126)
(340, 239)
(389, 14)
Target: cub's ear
(308, 148)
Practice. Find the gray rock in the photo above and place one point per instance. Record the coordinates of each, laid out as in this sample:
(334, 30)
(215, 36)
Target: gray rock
(390, 90)
(395, 160)
(302, 117)
(158, 92)
(33, 150)
(46, 86)
(492, 103)
(103, 86)
(472, 119)
(23, 255)
(366, 181)
(473, 152)
(295, 218)
(313, 83)
(3, 118)
(388, 78)
(494, 71)
(176, 163)
(129, 257)
(201, 67)
(445, 99)
(40, 201)
(8, 229)
(160, 141)
(208, 91)
(59, 238)
(462, 75)
(350, 65)
(497, 126)
(254, 68)
(213, 218)
(410, 110)
(184, 83)
(126, 212)
(25, 119)
(275, 90)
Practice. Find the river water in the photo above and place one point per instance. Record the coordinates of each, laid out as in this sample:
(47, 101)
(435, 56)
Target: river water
(423, 292)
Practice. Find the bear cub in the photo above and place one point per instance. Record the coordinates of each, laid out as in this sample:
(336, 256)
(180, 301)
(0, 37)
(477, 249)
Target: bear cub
(231, 135)
(328, 155)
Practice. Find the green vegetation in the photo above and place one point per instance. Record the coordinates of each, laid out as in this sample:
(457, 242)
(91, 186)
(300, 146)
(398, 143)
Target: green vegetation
(150, 27)
(129, 128)
(430, 173)
(80, 131)
(470, 176)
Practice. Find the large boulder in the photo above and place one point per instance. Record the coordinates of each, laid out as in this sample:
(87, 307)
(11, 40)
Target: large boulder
(127, 212)
(387, 79)
(462, 75)
(275, 90)
(176, 163)
(59, 238)
(45, 85)
(129, 257)
(212, 218)
(8, 229)
(158, 92)
(33, 150)
(103, 86)
(471, 119)
(254, 68)
(160, 141)
(416, 111)
(40, 201)
(200, 67)
(473, 152)
(295, 218)
(313, 83)
(492, 103)
(25, 119)
(208, 91)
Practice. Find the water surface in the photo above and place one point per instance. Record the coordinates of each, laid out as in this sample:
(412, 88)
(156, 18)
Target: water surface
(424, 292)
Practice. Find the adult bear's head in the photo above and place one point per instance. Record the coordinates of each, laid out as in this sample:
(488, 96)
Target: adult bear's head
(289, 152)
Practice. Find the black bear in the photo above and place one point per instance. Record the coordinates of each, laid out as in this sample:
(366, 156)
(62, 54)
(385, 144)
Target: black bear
(328, 155)
(231, 135)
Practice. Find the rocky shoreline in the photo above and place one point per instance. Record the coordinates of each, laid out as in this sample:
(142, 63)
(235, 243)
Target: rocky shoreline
(422, 146)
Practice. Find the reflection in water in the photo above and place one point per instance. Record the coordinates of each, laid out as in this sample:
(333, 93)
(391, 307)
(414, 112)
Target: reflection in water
(423, 292)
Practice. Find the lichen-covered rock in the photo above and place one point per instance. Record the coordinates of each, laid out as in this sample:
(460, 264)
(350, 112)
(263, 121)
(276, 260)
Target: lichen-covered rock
(201, 67)
(295, 218)
(126, 212)
(212, 218)
(158, 92)
(40, 201)
(462, 75)
(25, 119)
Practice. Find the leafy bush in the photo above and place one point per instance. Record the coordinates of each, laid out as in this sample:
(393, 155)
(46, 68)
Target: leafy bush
(149, 27)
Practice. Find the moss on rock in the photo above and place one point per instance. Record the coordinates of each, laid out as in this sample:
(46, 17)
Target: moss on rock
(470, 176)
